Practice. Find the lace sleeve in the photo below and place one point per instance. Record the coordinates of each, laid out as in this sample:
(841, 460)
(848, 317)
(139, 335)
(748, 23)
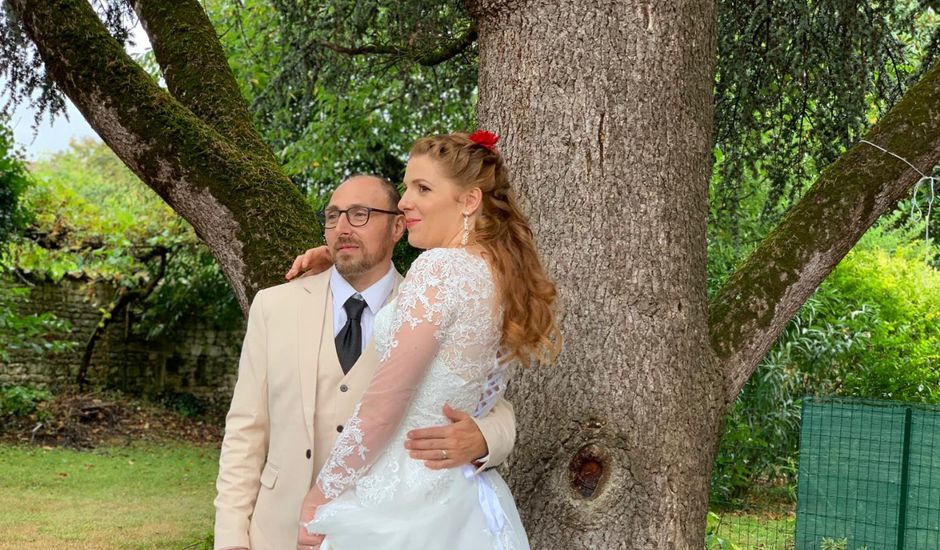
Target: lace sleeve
(422, 314)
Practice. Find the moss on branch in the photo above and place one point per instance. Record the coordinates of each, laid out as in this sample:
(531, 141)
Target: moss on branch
(195, 69)
(750, 311)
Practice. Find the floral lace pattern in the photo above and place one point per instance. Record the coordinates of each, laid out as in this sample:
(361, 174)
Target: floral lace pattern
(438, 342)
(333, 479)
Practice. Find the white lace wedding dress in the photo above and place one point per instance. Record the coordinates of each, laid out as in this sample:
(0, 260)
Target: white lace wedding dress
(438, 341)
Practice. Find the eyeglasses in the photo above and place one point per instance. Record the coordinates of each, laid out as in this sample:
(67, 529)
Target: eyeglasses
(357, 216)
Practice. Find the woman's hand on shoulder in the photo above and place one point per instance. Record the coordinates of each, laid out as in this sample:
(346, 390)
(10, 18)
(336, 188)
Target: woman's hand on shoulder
(312, 262)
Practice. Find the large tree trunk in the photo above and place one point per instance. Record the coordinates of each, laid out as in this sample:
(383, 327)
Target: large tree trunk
(606, 113)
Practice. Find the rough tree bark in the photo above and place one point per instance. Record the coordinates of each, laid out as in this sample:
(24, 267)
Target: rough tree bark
(605, 108)
(194, 144)
(607, 126)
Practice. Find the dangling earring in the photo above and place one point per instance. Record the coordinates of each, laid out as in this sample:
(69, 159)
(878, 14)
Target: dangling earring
(466, 229)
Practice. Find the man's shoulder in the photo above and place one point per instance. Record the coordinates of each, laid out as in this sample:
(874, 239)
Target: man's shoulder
(288, 293)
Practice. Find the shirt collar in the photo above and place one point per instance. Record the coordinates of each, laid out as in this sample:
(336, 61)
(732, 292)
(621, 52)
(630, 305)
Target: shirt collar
(375, 296)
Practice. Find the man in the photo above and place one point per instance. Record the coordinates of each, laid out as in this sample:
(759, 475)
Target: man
(306, 361)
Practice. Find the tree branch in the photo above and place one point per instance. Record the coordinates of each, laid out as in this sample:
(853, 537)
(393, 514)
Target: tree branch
(436, 57)
(228, 193)
(123, 299)
(196, 70)
(750, 311)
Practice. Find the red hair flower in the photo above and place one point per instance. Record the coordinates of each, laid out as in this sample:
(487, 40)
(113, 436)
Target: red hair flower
(484, 138)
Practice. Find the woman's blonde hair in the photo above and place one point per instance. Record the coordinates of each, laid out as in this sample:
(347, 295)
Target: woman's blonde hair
(527, 294)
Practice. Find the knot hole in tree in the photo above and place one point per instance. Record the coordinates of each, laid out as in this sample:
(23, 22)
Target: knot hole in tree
(589, 470)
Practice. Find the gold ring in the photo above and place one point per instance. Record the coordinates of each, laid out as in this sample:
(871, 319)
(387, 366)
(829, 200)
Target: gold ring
(444, 452)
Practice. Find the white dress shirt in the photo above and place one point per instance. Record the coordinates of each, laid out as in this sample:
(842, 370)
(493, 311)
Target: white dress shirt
(375, 297)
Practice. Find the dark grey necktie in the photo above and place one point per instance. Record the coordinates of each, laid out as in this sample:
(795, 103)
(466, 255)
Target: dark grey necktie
(349, 339)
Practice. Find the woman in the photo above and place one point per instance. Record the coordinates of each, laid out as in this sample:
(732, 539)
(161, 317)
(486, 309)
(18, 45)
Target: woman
(478, 289)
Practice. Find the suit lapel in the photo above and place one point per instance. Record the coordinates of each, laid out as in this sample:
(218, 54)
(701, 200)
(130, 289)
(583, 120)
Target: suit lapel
(311, 317)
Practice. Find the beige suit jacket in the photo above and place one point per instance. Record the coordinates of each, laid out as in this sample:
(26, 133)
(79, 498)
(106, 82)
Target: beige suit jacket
(267, 463)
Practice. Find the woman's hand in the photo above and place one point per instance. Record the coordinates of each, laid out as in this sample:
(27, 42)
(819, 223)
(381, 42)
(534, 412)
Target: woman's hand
(308, 542)
(308, 510)
(313, 261)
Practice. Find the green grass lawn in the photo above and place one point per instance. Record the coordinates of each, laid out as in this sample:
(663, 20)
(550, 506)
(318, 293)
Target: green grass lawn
(757, 532)
(766, 522)
(152, 496)
(140, 497)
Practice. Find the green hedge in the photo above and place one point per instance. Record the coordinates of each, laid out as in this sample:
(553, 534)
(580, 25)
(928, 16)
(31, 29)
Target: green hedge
(871, 330)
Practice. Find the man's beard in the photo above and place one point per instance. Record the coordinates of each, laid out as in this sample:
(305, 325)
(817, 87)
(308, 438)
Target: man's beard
(356, 266)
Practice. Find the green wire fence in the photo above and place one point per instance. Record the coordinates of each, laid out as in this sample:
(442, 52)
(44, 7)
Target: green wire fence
(869, 476)
(868, 479)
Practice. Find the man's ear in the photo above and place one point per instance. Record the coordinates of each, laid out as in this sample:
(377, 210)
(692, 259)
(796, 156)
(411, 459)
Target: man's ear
(472, 200)
(398, 227)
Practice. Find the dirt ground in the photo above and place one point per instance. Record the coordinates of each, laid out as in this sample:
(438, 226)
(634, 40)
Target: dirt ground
(85, 421)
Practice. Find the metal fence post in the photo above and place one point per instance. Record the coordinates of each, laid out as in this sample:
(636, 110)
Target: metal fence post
(905, 464)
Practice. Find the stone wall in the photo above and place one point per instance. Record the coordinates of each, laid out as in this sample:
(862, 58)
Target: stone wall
(197, 359)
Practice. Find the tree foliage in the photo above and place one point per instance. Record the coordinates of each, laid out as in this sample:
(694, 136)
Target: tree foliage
(22, 71)
(345, 87)
(796, 83)
(330, 112)
(93, 221)
(13, 182)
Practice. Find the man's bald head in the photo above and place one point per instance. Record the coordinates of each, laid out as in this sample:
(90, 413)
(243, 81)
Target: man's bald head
(390, 190)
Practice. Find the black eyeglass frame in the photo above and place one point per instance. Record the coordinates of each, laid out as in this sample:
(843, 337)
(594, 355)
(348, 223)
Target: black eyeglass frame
(369, 210)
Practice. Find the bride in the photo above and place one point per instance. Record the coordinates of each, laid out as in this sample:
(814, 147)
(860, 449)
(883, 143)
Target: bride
(478, 291)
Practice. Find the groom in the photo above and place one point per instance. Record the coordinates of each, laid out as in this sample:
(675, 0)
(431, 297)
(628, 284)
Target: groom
(306, 360)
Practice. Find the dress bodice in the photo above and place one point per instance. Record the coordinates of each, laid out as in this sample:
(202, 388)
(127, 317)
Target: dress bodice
(468, 336)
(438, 342)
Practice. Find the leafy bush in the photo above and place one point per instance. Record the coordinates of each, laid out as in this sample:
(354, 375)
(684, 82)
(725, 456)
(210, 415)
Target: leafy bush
(43, 332)
(13, 182)
(22, 401)
(761, 438)
(902, 358)
(871, 330)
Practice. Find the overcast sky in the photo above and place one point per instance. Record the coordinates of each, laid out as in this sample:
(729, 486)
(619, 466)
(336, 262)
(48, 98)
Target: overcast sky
(55, 136)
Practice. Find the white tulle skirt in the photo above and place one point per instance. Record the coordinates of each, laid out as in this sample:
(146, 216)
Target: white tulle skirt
(456, 511)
